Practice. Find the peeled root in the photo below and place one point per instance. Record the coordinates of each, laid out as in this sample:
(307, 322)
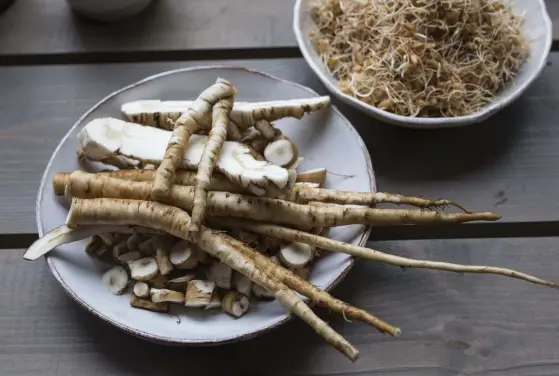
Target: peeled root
(108, 138)
(263, 209)
(185, 126)
(291, 235)
(317, 176)
(175, 222)
(212, 149)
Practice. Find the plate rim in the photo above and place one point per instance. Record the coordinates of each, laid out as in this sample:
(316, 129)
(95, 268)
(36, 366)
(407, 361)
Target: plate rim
(178, 341)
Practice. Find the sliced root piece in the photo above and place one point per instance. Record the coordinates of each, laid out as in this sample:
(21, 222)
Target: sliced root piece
(242, 284)
(165, 295)
(164, 264)
(129, 256)
(317, 175)
(183, 255)
(235, 303)
(133, 242)
(281, 152)
(296, 255)
(115, 279)
(146, 247)
(138, 302)
(102, 139)
(141, 289)
(215, 302)
(143, 269)
(119, 249)
(199, 293)
(180, 283)
(220, 273)
(261, 293)
(108, 239)
(96, 247)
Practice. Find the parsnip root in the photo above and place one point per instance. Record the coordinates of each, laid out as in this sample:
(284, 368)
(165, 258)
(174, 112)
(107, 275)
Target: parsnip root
(185, 126)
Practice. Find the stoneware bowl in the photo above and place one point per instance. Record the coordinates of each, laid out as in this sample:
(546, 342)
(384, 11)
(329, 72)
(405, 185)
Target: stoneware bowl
(538, 30)
(325, 139)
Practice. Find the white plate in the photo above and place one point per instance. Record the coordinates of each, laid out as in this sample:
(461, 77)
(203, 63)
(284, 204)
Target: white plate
(326, 139)
(538, 28)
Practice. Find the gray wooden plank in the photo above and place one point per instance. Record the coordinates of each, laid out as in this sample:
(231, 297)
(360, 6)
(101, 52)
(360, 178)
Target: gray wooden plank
(452, 324)
(167, 25)
(48, 27)
(507, 164)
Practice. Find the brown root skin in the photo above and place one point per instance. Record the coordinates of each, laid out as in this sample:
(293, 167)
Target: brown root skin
(141, 303)
(218, 134)
(185, 126)
(176, 222)
(317, 176)
(287, 234)
(84, 185)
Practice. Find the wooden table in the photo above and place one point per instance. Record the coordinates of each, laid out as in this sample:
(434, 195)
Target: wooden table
(54, 66)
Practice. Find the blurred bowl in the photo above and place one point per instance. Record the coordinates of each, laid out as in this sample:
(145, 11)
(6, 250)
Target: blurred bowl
(108, 10)
(538, 29)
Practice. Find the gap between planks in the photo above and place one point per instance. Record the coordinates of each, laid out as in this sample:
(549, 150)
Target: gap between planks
(407, 232)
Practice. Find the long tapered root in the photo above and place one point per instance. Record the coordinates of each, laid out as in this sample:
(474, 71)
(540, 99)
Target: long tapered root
(217, 137)
(186, 125)
(85, 185)
(176, 222)
(291, 235)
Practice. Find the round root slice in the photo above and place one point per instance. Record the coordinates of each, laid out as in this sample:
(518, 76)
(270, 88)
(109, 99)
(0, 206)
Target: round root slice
(242, 284)
(107, 238)
(143, 269)
(115, 280)
(280, 152)
(165, 295)
(235, 303)
(296, 255)
(133, 242)
(183, 255)
(261, 293)
(199, 293)
(220, 273)
(146, 248)
(215, 302)
(141, 289)
(96, 247)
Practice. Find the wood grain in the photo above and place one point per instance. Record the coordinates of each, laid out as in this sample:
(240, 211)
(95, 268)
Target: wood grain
(37, 31)
(507, 164)
(452, 325)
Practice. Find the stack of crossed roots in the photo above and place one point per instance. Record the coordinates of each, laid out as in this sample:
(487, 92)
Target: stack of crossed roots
(206, 209)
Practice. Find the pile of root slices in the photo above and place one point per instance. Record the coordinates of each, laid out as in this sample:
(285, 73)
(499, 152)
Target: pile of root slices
(206, 209)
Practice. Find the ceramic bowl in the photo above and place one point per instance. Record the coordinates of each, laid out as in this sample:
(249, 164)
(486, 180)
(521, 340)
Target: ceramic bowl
(538, 29)
(325, 139)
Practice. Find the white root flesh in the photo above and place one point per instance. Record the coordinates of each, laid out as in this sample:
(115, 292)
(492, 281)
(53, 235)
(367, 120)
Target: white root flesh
(141, 303)
(234, 303)
(220, 273)
(115, 279)
(242, 284)
(129, 256)
(166, 295)
(180, 283)
(199, 293)
(215, 302)
(317, 176)
(156, 113)
(64, 234)
(296, 255)
(143, 269)
(141, 289)
(281, 152)
(108, 139)
(163, 262)
(184, 255)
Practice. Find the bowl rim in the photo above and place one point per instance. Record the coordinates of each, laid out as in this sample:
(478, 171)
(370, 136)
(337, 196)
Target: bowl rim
(416, 122)
(182, 341)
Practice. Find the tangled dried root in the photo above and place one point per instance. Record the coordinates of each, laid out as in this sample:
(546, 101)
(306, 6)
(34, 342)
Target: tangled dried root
(426, 58)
